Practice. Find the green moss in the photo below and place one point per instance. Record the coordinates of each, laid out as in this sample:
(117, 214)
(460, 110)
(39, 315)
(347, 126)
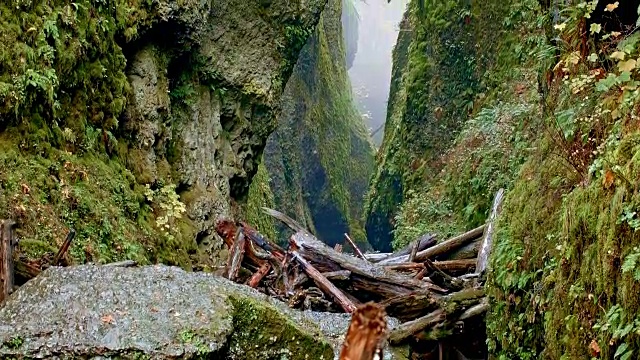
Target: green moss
(260, 327)
(320, 158)
(95, 195)
(260, 196)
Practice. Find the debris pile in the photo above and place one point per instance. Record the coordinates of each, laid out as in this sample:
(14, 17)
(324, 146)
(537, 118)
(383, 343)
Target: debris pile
(435, 288)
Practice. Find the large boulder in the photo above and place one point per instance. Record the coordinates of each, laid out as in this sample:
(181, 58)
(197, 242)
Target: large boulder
(157, 312)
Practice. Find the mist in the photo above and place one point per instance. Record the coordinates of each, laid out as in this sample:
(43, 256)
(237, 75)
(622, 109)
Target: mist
(370, 72)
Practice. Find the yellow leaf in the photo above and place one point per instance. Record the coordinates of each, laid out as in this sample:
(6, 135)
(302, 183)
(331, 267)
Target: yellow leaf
(573, 58)
(560, 27)
(608, 179)
(612, 7)
(615, 34)
(618, 55)
(627, 65)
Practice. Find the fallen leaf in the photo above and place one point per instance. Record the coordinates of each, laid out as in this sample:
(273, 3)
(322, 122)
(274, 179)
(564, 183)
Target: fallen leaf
(595, 348)
(612, 7)
(618, 55)
(26, 189)
(107, 319)
(627, 65)
(560, 27)
(608, 179)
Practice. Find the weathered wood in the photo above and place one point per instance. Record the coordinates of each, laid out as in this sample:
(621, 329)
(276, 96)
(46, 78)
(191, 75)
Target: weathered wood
(442, 279)
(236, 255)
(409, 266)
(377, 257)
(403, 255)
(366, 335)
(337, 275)
(294, 225)
(26, 270)
(369, 277)
(468, 251)
(411, 306)
(324, 284)
(7, 244)
(64, 248)
(354, 247)
(125, 263)
(332, 275)
(227, 229)
(408, 329)
(259, 275)
(487, 241)
(338, 248)
(263, 242)
(475, 310)
(451, 244)
(414, 251)
(456, 265)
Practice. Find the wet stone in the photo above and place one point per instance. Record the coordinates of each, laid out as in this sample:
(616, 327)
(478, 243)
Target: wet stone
(157, 312)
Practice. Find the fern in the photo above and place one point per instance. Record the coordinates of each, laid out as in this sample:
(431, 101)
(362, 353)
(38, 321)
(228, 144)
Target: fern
(630, 264)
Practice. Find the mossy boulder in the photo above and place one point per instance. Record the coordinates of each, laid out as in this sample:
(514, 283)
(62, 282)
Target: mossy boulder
(156, 312)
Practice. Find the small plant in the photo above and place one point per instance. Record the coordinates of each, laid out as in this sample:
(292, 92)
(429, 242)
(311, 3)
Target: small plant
(171, 208)
(632, 263)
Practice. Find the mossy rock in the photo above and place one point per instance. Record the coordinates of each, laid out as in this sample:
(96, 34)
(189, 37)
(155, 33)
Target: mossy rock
(157, 312)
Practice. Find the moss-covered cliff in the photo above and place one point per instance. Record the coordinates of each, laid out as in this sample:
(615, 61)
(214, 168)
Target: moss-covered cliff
(541, 99)
(445, 65)
(319, 159)
(138, 123)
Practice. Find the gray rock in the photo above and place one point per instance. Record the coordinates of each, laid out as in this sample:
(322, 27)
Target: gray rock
(158, 312)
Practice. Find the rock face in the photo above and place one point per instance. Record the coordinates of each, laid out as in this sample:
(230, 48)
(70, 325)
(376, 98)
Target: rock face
(177, 96)
(158, 312)
(319, 158)
(207, 107)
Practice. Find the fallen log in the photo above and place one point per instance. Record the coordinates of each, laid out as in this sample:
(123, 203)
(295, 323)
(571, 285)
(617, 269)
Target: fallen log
(465, 265)
(377, 257)
(468, 251)
(404, 255)
(410, 328)
(7, 244)
(443, 308)
(414, 251)
(355, 247)
(235, 256)
(64, 248)
(366, 335)
(442, 279)
(408, 266)
(366, 276)
(487, 241)
(451, 244)
(325, 285)
(332, 275)
(124, 264)
(27, 270)
(259, 275)
(263, 242)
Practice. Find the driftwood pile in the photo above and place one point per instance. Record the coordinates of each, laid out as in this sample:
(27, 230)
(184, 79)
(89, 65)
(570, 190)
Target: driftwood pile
(433, 288)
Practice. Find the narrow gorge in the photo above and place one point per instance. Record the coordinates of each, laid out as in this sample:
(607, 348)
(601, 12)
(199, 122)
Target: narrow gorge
(156, 157)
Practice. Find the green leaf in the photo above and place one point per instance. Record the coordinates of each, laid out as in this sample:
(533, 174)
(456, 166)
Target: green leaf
(622, 349)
